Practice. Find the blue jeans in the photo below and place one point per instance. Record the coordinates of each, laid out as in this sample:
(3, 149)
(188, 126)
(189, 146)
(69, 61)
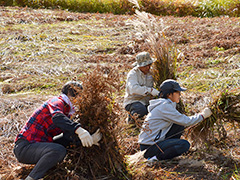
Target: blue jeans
(172, 146)
(137, 108)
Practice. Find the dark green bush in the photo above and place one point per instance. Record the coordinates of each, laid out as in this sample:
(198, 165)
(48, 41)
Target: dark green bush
(6, 2)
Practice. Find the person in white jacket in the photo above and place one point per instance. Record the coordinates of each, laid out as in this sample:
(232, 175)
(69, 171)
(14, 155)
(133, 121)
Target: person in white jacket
(139, 86)
(164, 125)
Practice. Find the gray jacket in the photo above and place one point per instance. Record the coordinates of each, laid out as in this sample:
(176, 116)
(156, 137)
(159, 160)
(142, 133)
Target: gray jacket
(162, 114)
(138, 87)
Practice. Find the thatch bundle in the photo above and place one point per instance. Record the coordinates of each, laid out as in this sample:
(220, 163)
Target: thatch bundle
(226, 109)
(96, 109)
(165, 65)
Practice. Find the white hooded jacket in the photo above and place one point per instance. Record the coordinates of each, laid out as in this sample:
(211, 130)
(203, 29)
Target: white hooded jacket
(162, 114)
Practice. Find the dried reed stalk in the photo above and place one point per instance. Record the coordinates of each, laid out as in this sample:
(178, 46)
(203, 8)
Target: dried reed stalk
(163, 50)
(226, 109)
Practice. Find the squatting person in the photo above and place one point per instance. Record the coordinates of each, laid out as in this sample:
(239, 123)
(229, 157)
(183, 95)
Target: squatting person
(164, 125)
(37, 144)
(139, 86)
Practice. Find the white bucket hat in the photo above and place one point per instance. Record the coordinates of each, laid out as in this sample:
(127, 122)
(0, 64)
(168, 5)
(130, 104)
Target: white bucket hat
(143, 59)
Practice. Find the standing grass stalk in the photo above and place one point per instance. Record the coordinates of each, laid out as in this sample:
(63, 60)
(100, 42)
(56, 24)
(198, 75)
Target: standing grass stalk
(163, 50)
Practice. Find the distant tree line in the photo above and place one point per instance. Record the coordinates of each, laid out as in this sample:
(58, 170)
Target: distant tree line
(200, 8)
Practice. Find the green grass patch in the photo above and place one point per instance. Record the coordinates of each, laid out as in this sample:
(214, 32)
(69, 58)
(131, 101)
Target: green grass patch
(218, 76)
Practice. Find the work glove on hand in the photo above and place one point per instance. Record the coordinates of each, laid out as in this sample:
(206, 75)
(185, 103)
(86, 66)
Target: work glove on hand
(154, 92)
(206, 113)
(85, 137)
(97, 136)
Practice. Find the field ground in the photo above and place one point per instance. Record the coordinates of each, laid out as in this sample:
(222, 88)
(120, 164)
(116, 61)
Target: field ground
(42, 49)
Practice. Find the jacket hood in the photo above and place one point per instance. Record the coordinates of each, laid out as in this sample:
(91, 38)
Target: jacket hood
(156, 102)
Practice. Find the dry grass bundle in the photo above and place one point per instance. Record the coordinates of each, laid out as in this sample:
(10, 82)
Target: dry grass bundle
(166, 64)
(226, 109)
(96, 109)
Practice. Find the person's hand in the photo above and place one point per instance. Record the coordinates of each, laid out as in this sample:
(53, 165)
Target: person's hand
(206, 113)
(85, 137)
(97, 136)
(154, 92)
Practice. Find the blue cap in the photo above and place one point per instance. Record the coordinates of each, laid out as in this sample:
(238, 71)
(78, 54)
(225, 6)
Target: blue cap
(169, 85)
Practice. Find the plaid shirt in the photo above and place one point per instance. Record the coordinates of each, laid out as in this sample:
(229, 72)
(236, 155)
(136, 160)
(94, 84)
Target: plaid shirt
(40, 127)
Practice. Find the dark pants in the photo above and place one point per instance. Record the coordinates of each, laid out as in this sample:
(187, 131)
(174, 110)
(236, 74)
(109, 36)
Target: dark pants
(44, 154)
(172, 146)
(137, 108)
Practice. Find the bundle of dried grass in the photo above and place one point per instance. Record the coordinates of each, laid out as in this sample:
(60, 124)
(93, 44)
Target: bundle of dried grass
(96, 109)
(166, 64)
(226, 109)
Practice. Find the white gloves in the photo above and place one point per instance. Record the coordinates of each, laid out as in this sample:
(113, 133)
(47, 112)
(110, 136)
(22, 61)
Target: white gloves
(206, 113)
(97, 136)
(85, 137)
(154, 92)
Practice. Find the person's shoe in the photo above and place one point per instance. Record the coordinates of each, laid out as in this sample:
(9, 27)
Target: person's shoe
(126, 120)
(151, 161)
(29, 178)
(130, 121)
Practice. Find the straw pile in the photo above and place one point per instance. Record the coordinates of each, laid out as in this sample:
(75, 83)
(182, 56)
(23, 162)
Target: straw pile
(226, 109)
(96, 109)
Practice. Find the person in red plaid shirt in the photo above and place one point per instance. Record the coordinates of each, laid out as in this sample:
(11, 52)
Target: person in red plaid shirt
(49, 130)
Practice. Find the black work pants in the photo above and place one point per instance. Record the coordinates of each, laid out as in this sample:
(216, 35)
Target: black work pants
(44, 154)
(136, 108)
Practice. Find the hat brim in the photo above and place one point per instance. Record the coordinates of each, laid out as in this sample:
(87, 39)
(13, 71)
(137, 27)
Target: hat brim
(152, 60)
(180, 89)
